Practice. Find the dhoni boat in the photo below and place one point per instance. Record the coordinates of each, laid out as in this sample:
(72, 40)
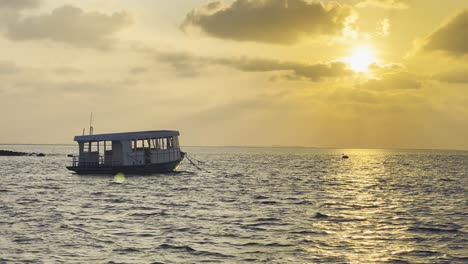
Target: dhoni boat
(140, 152)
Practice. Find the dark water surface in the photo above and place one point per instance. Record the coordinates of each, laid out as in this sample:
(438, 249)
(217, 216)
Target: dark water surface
(245, 205)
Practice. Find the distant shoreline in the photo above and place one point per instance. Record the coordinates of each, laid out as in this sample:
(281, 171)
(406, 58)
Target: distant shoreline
(328, 148)
(34, 144)
(258, 147)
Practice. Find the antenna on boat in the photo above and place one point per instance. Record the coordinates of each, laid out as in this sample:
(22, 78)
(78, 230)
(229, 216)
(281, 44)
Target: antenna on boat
(91, 124)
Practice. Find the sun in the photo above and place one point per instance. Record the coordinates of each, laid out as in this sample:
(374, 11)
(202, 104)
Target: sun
(361, 58)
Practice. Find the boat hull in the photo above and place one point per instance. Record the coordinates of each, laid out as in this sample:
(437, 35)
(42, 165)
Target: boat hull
(134, 169)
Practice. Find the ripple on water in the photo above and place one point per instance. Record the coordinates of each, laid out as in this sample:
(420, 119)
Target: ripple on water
(435, 228)
(245, 205)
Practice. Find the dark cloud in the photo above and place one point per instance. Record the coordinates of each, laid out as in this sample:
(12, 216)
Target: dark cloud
(455, 76)
(398, 4)
(270, 21)
(188, 65)
(18, 4)
(394, 81)
(452, 37)
(69, 25)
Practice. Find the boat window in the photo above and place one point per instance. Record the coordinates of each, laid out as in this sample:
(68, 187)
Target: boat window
(140, 144)
(149, 144)
(108, 145)
(90, 146)
(136, 144)
(163, 143)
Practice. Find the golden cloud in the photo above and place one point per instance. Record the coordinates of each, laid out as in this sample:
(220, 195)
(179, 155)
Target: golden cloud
(401, 80)
(454, 76)
(397, 4)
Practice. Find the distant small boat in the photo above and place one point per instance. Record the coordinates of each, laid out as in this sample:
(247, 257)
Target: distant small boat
(344, 156)
(132, 152)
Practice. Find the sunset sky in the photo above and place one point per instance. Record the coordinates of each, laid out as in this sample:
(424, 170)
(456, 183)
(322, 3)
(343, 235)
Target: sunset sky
(344, 74)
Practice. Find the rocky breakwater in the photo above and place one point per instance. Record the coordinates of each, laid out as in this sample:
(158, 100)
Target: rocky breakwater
(16, 154)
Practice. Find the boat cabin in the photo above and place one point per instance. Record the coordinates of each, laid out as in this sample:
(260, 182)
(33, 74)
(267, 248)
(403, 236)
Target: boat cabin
(138, 152)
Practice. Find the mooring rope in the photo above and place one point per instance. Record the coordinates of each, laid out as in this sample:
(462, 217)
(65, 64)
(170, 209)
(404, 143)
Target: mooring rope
(199, 161)
(191, 162)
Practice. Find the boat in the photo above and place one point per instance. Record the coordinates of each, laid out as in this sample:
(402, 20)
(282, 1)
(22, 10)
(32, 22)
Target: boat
(141, 152)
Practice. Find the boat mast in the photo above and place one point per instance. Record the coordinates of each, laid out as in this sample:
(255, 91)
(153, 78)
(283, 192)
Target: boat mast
(91, 124)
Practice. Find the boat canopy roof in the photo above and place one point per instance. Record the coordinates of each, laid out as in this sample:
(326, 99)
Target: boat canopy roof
(128, 136)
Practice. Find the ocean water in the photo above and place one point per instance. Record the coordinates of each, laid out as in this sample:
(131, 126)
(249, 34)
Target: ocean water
(257, 205)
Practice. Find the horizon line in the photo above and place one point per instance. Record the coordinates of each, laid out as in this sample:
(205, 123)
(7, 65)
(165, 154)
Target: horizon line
(256, 146)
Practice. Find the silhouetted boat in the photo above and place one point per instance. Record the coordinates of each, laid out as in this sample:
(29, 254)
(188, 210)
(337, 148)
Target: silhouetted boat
(133, 152)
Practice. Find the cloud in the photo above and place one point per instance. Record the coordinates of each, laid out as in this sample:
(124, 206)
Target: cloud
(137, 70)
(311, 72)
(40, 87)
(67, 70)
(383, 28)
(188, 65)
(455, 76)
(185, 64)
(396, 4)
(380, 69)
(270, 21)
(451, 38)
(8, 67)
(18, 4)
(394, 81)
(70, 25)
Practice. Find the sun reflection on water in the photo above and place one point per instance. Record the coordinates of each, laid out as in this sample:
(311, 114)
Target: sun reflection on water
(361, 208)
